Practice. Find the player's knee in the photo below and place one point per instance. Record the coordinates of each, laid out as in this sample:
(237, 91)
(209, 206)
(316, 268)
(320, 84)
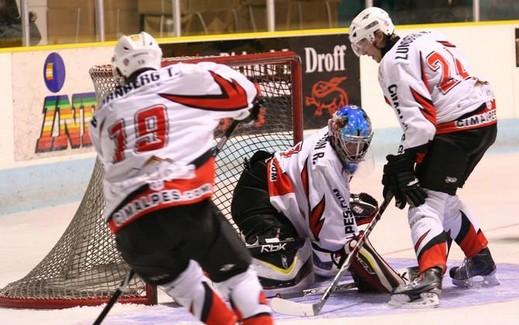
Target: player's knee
(181, 287)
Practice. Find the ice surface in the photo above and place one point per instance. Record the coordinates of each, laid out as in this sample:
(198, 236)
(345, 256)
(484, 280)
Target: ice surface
(491, 193)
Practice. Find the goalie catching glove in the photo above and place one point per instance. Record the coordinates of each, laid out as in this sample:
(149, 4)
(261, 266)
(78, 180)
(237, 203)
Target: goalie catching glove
(364, 207)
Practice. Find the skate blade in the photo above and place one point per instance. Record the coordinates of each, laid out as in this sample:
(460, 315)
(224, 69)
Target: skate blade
(478, 281)
(426, 300)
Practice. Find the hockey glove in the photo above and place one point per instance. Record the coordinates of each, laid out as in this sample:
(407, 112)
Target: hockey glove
(258, 107)
(400, 180)
(364, 207)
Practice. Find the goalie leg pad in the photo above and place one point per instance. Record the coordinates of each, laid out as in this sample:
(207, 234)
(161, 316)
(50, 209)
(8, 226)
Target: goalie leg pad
(192, 290)
(285, 272)
(371, 272)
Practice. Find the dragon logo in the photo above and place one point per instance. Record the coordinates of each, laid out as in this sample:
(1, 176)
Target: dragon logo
(327, 96)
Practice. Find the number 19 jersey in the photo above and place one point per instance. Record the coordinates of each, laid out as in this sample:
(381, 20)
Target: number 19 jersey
(148, 132)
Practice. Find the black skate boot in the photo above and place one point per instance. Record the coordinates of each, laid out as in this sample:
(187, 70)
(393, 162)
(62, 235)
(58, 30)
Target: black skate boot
(423, 292)
(477, 271)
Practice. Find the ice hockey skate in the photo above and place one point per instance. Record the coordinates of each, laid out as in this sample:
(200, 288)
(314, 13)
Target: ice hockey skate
(422, 292)
(477, 271)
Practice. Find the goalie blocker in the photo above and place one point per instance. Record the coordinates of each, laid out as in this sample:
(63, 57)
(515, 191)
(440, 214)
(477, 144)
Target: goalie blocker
(287, 264)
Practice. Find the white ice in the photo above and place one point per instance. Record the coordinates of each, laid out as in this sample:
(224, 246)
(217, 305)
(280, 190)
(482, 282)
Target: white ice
(491, 193)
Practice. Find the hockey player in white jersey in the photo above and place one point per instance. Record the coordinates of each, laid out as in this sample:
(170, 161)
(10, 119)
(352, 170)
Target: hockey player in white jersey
(297, 213)
(448, 116)
(154, 136)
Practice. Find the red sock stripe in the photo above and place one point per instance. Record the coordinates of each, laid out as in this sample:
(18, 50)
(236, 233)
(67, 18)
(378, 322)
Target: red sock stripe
(263, 299)
(259, 319)
(215, 311)
(473, 242)
(435, 255)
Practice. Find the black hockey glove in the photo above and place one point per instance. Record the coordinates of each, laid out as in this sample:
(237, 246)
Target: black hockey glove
(255, 111)
(400, 180)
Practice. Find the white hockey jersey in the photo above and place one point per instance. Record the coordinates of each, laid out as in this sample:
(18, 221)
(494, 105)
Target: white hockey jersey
(309, 185)
(149, 132)
(432, 90)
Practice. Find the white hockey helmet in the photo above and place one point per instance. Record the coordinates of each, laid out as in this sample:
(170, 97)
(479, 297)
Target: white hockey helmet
(364, 26)
(135, 52)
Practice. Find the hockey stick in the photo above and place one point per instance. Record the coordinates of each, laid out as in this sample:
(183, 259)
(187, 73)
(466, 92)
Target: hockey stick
(122, 287)
(288, 307)
(341, 287)
(227, 134)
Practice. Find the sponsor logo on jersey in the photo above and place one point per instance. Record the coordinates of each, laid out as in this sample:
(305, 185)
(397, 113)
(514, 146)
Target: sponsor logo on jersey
(233, 96)
(477, 119)
(152, 200)
(273, 172)
(393, 93)
(347, 216)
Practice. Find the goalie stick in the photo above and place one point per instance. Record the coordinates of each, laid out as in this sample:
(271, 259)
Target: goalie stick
(293, 308)
(341, 287)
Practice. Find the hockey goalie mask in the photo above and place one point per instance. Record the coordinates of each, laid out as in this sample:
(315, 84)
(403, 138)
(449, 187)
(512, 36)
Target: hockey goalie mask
(135, 52)
(364, 26)
(350, 133)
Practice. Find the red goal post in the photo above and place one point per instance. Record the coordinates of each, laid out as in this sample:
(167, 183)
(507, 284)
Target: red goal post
(84, 267)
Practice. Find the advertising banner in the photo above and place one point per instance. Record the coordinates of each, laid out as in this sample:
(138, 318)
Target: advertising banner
(331, 71)
(54, 98)
(53, 101)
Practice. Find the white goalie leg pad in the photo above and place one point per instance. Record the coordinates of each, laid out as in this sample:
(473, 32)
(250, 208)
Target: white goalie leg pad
(192, 290)
(246, 293)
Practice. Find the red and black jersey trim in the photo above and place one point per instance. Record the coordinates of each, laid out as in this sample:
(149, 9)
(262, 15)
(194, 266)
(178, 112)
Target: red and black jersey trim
(233, 97)
(446, 43)
(426, 105)
(316, 218)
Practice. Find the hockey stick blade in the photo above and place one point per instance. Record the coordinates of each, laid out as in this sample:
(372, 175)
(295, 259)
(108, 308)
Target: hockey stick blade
(343, 287)
(288, 307)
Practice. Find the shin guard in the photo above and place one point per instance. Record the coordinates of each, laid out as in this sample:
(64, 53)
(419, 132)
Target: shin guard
(192, 290)
(247, 298)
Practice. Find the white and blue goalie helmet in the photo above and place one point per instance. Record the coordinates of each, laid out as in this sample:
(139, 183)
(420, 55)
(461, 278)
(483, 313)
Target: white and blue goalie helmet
(350, 133)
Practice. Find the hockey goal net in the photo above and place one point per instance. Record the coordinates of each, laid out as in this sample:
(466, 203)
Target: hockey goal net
(84, 267)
